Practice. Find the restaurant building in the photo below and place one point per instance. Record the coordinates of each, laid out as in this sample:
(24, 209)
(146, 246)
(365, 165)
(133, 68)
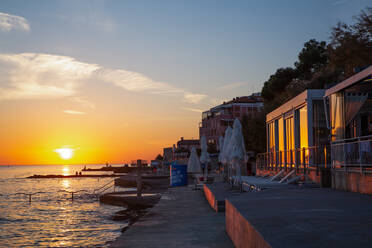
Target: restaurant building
(297, 135)
(325, 135)
(349, 105)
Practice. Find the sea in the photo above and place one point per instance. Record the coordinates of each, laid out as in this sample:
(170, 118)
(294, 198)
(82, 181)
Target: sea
(53, 218)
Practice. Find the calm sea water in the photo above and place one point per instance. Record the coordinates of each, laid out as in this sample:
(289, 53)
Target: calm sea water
(52, 219)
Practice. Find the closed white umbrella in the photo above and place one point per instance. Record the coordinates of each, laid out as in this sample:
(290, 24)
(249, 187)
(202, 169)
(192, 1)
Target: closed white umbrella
(237, 153)
(204, 157)
(226, 142)
(220, 148)
(223, 153)
(193, 165)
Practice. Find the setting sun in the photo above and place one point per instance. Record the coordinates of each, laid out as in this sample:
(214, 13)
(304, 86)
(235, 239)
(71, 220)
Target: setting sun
(65, 153)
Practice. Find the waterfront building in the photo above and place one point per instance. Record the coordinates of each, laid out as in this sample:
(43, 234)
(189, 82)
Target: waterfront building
(217, 119)
(188, 144)
(297, 125)
(181, 152)
(168, 154)
(350, 123)
(297, 134)
(325, 135)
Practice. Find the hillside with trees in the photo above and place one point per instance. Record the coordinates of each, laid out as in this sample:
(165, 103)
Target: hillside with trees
(320, 65)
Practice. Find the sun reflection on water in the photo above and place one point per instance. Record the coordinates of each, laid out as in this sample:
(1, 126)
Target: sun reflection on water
(65, 183)
(53, 219)
(65, 170)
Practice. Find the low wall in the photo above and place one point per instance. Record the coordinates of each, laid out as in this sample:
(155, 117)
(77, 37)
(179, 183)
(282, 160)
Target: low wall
(217, 202)
(354, 181)
(240, 231)
(210, 197)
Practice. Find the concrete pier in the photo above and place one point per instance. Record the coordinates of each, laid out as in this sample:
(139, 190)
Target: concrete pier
(182, 218)
(299, 218)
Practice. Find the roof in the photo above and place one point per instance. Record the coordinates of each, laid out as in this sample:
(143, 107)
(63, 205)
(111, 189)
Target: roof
(246, 99)
(350, 81)
(188, 142)
(295, 102)
(254, 98)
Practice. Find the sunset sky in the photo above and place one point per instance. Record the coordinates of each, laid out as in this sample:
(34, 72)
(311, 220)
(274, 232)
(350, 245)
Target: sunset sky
(119, 80)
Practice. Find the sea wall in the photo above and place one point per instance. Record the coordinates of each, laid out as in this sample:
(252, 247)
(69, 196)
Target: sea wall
(354, 181)
(240, 231)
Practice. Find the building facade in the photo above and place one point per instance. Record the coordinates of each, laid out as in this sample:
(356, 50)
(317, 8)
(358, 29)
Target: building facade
(217, 119)
(181, 152)
(325, 135)
(349, 106)
(297, 130)
(188, 143)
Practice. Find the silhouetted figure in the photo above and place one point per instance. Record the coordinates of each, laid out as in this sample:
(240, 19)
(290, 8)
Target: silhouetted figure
(76, 173)
(80, 173)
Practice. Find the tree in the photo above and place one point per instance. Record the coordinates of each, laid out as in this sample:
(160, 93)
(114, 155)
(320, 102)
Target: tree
(254, 132)
(351, 45)
(159, 157)
(212, 148)
(312, 58)
(277, 82)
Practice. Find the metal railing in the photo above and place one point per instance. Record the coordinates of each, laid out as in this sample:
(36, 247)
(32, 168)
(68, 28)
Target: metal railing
(347, 153)
(104, 188)
(299, 159)
(355, 152)
(30, 195)
(96, 192)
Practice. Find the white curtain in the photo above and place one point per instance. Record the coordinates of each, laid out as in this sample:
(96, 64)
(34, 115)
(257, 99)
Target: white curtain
(353, 103)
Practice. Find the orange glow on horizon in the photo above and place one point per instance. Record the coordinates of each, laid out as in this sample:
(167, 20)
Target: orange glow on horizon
(110, 134)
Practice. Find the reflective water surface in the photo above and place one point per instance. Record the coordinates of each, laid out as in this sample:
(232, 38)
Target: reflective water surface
(52, 219)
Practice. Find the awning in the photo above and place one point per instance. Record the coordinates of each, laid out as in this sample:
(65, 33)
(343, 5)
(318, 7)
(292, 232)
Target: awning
(350, 81)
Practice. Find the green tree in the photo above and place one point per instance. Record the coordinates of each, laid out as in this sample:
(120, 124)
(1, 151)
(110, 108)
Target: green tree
(212, 148)
(351, 45)
(159, 157)
(312, 58)
(277, 82)
(254, 132)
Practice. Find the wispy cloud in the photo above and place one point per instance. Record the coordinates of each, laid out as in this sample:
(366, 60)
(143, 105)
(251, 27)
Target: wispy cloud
(231, 86)
(338, 2)
(193, 110)
(194, 98)
(83, 102)
(30, 75)
(9, 22)
(93, 19)
(73, 112)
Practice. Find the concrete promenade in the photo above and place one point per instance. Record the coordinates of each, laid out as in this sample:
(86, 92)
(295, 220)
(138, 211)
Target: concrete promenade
(300, 218)
(182, 218)
(295, 217)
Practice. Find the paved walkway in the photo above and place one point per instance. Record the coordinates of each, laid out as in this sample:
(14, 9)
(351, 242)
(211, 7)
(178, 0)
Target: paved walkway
(182, 218)
(307, 217)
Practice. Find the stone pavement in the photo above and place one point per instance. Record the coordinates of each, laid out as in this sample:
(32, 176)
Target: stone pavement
(182, 218)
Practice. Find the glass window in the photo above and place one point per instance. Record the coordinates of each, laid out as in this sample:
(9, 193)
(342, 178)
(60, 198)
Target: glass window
(290, 144)
(281, 140)
(271, 136)
(303, 127)
(320, 130)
